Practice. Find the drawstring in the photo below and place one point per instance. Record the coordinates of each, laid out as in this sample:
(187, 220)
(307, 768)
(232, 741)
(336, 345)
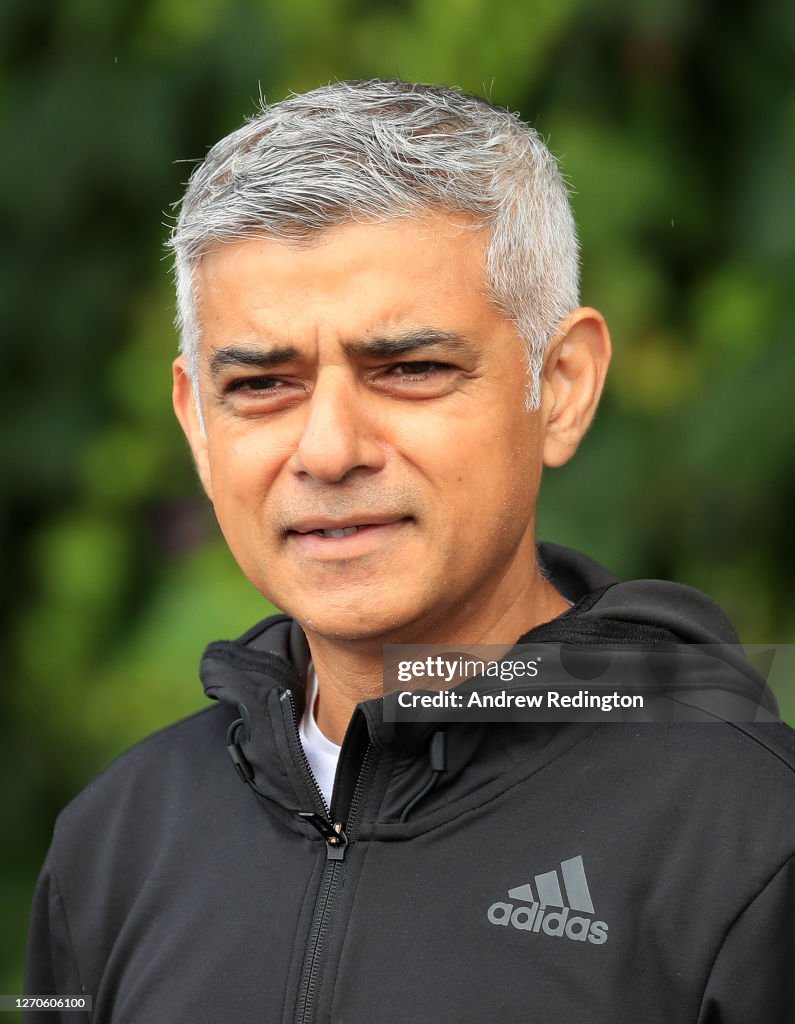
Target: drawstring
(437, 756)
(239, 759)
(235, 751)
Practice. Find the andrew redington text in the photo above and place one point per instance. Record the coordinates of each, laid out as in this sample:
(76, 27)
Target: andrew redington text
(503, 699)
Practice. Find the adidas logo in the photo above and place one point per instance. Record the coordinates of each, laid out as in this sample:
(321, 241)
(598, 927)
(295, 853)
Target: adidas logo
(537, 915)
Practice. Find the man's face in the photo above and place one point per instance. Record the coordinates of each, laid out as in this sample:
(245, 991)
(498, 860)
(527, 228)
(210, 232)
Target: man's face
(367, 449)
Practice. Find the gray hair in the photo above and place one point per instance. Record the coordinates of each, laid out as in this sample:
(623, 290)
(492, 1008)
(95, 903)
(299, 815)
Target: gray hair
(377, 150)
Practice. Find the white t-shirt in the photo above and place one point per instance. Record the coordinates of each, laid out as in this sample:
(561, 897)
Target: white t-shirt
(321, 753)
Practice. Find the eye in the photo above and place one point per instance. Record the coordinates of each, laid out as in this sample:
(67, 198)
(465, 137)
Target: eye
(258, 395)
(418, 370)
(417, 379)
(253, 384)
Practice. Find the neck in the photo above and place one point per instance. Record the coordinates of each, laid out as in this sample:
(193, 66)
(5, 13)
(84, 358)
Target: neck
(351, 671)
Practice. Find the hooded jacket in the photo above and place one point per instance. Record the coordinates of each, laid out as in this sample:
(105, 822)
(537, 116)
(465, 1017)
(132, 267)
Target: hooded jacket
(572, 872)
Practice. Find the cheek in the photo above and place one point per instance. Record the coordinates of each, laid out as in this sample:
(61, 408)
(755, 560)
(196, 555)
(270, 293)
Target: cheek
(501, 454)
(503, 471)
(485, 477)
(246, 448)
(242, 471)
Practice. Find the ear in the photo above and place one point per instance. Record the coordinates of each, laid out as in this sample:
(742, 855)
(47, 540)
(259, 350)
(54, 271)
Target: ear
(184, 398)
(574, 373)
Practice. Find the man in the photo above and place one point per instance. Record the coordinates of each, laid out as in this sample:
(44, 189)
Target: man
(381, 348)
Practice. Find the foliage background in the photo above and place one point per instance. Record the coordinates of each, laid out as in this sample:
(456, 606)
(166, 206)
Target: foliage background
(676, 122)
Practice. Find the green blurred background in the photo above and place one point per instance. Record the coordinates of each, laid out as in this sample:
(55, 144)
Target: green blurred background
(674, 120)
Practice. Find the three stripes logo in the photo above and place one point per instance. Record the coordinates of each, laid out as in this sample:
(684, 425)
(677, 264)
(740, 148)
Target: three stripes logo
(545, 909)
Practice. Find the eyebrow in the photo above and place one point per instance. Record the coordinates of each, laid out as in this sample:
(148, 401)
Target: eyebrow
(397, 344)
(410, 341)
(259, 358)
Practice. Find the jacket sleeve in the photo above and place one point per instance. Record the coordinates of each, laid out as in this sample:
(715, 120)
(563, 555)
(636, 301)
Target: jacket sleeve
(753, 976)
(50, 965)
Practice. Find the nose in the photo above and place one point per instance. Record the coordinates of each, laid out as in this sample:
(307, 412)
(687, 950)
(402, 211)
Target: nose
(338, 434)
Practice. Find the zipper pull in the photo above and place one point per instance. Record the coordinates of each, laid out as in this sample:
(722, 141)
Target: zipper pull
(335, 837)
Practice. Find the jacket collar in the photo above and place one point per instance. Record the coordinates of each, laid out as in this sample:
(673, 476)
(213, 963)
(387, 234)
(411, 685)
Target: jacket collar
(261, 676)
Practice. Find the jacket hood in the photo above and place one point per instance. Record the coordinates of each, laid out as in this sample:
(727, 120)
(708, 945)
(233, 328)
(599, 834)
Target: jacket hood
(596, 593)
(714, 671)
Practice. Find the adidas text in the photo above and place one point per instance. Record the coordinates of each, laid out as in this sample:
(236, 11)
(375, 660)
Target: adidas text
(532, 918)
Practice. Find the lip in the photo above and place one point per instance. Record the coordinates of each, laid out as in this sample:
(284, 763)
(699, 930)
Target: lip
(360, 519)
(368, 538)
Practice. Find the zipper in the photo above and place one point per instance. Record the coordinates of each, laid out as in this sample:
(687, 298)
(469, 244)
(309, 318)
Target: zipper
(322, 811)
(338, 835)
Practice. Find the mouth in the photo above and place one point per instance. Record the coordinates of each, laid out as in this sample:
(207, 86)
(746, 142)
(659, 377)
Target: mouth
(334, 529)
(343, 531)
(350, 536)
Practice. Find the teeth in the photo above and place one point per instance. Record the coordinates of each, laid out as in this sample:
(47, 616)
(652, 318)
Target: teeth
(346, 532)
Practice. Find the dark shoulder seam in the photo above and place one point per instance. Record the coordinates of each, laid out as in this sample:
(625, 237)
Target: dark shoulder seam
(761, 741)
(62, 903)
(768, 881)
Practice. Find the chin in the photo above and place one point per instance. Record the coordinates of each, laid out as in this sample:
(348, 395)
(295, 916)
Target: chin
(355, 622)
(349, 628)
(380, 610)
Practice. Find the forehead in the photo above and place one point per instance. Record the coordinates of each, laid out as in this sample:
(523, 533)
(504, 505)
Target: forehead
(359, 277)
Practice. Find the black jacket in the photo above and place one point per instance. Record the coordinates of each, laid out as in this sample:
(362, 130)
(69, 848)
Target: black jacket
(570, 873)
